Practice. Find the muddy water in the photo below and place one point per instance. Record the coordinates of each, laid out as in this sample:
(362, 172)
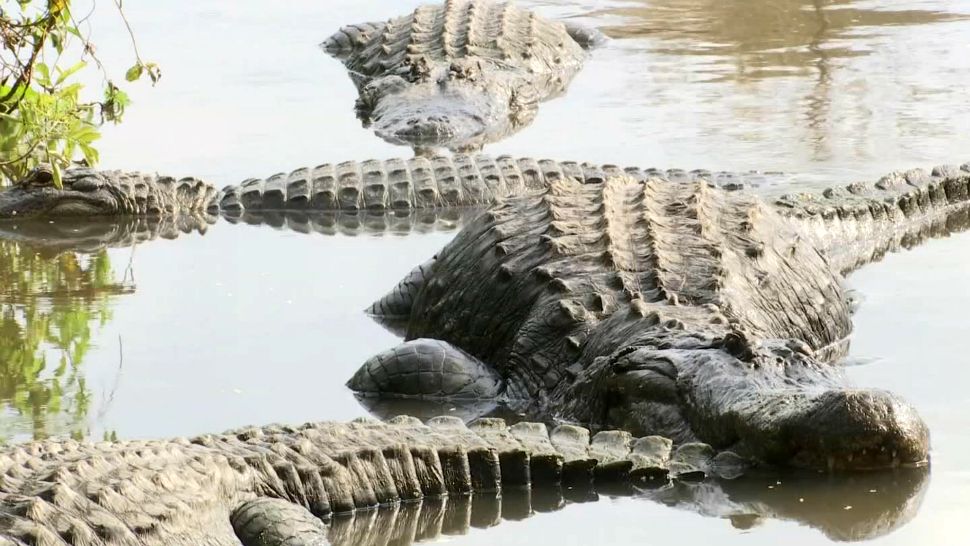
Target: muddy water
(249, 324)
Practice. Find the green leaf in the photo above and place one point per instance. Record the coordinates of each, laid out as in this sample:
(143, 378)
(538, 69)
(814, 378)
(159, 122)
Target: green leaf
(90, 154)
(58, 182)
(42, 74)
(65, 74)
(134, 72)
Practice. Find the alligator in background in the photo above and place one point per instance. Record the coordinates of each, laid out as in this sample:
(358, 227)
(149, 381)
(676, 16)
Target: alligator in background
(670, 308)
(276, 485)
(458, 75)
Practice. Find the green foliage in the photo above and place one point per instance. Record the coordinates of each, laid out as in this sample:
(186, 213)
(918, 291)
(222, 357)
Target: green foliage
(43, 118)
(49, 309)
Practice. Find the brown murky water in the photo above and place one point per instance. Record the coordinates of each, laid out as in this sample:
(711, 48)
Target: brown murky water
(252, 324)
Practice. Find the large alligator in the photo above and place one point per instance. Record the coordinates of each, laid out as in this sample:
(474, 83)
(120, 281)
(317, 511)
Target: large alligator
(458, 75)
(394, 185)
(271, 485)
(276, 485)
(647, 298)
(670, 308)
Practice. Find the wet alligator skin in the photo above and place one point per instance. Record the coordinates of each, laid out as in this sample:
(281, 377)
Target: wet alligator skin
(269, 485)
(420, 183)
(438, 182)
(88, 192)
(671, 308)
(457, 75)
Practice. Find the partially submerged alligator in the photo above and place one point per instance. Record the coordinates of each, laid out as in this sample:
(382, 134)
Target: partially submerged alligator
(272, 485)
(670, 308)
(619, 297)
(458, 75)
(86, 193)
(394, 185)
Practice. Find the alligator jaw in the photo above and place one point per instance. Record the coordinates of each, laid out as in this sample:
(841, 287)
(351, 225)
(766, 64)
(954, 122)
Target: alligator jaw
(37, 202)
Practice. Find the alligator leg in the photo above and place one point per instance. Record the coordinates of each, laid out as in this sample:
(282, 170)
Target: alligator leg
(274, 522)
(396, 304)
(427, 369)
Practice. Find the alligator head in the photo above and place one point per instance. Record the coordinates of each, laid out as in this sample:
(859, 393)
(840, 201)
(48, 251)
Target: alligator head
(84, 193)
(774, 402)
(451, 106)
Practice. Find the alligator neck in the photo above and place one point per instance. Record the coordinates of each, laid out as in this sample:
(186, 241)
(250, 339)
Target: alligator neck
(860, 223)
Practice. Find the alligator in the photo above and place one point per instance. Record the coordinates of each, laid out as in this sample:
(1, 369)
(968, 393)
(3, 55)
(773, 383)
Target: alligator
(86, 192)
(274, 485)
(649, 294)
(394, 185)
(458, 75)
(671, 308)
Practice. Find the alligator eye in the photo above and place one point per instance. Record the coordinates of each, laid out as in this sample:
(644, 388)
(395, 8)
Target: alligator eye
(41, 176)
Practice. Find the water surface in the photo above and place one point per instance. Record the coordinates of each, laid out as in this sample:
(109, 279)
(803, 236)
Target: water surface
(228, 325)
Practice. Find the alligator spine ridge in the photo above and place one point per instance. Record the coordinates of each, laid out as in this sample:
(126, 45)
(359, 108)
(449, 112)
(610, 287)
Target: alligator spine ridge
(271, 479)
(859, 223)
(441, 181)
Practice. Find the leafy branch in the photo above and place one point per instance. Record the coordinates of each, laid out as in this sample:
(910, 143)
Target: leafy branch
(42, 116)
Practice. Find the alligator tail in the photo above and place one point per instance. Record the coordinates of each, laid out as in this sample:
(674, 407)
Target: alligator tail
(860, 223)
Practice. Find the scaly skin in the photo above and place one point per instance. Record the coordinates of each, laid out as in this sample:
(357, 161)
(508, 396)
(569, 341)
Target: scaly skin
(398, 185)
(458, 75)
(87, 192)
(434, 183)
(670, 308)
(860, 223)
(270, 485)
(277, 485)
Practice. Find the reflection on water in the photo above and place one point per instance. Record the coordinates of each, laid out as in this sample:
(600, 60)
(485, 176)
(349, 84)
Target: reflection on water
(49, 308)
(839, 89)
(364, 222)
(754, 39)
(866, 506)
(57, 289)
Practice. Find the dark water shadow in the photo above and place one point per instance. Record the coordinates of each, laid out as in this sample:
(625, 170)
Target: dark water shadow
(841, 507)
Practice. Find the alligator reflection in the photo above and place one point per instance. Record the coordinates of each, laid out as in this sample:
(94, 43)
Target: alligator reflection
(57, 287)
(843, 507)
(360, 222)
(816, 45)
(771, 38)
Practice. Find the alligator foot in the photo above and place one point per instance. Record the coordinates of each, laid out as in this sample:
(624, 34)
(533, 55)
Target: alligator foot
(426, 369)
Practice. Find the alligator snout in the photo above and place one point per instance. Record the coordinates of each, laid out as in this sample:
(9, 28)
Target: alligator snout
(432, 127)
(858, 429)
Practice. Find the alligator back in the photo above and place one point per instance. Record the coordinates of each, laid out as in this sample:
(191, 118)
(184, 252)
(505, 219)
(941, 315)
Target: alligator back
(499, 33)
(540, 285)
(460, 180)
